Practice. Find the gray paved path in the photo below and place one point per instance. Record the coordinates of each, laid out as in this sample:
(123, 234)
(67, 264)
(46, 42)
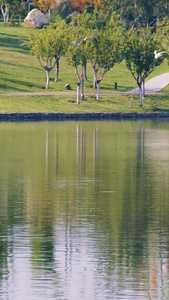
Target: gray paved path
(156, 83)
(152, 86)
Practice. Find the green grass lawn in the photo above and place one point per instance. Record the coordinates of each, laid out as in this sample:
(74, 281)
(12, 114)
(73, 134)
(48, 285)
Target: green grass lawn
(61, 104)
(21, 72)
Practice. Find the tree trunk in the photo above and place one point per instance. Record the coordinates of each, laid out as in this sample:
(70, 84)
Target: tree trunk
(28, 4)
(20, 20)
(143, 93)
(82, 81)
(95, 79)
(140, 95)
(5, 13)
(85, 72)
(132, 95)
(49, 15)
(57, 69)
(77, 75)
(98, 90)
(78, 92)
(47, 79)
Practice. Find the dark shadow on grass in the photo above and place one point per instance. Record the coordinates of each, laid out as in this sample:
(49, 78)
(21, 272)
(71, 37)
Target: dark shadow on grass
(3, 73)
(15, 65)
(13, 42)
(119, 88)
(110, 101)
(157, 109)
(111, 88)
(24, 85)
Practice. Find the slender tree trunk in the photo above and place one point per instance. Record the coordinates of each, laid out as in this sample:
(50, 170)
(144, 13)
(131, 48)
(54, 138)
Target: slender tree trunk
(49, 15)
(77, 75)
(95, 79)
(82, 81)
(47, 79)
(20, 20)
(57, 69)
(85, 72)
(143, 93)
(28, 3)
(78, 92)
(166, 6)
(98, 90)
(140, 95)
(132, 94)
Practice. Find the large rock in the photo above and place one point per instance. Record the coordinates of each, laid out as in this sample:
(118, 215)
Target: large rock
(36, 19)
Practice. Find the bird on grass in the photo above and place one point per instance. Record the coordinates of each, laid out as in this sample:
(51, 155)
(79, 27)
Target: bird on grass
(158, 55)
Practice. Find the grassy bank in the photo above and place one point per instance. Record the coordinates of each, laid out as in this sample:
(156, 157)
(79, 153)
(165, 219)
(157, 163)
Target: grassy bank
(21, 72)
(61, 104)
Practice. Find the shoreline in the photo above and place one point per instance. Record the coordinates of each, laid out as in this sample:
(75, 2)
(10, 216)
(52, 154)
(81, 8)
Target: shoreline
(20, 117)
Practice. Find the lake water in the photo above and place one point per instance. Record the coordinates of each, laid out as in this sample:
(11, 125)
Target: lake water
(84, 210)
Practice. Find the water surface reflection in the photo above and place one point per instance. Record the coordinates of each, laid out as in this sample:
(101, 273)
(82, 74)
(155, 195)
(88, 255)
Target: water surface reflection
(84, 210)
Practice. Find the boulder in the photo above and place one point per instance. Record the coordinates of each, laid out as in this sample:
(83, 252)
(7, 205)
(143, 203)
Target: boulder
(67, 86)
(36, 19)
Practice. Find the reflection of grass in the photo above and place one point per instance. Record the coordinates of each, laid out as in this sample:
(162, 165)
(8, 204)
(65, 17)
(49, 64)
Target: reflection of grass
(67, 104)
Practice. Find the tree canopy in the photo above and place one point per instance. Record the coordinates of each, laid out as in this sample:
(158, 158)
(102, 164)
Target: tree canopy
(139, 53)
(46, 44)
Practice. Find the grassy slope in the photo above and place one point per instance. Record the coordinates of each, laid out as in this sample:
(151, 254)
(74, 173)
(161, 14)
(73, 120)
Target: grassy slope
(21, 72)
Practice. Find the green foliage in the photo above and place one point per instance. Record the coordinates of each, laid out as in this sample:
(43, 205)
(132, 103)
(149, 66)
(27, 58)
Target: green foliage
(104, 50)
(17, 8)
(163, 32)
(47, 42)
(42, 45)
(77, 51)
(64, 9)
(142, 13)
(139, 52)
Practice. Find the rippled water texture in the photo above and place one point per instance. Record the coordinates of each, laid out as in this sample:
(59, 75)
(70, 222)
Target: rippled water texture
(84, 210)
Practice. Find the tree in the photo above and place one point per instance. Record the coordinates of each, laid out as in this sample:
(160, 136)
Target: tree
(61, 37)
(13, 8)
(74, 53)
(5, 11)
(75, 50)
(139, 50)
(163, 31)
(84, 4)
(142, 13)
(47, 44)
(46, 5)
(105, 50)
(64, 9)
(102, 51)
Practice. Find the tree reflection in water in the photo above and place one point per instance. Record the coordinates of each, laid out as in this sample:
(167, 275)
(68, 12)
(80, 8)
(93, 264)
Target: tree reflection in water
(84, 210)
